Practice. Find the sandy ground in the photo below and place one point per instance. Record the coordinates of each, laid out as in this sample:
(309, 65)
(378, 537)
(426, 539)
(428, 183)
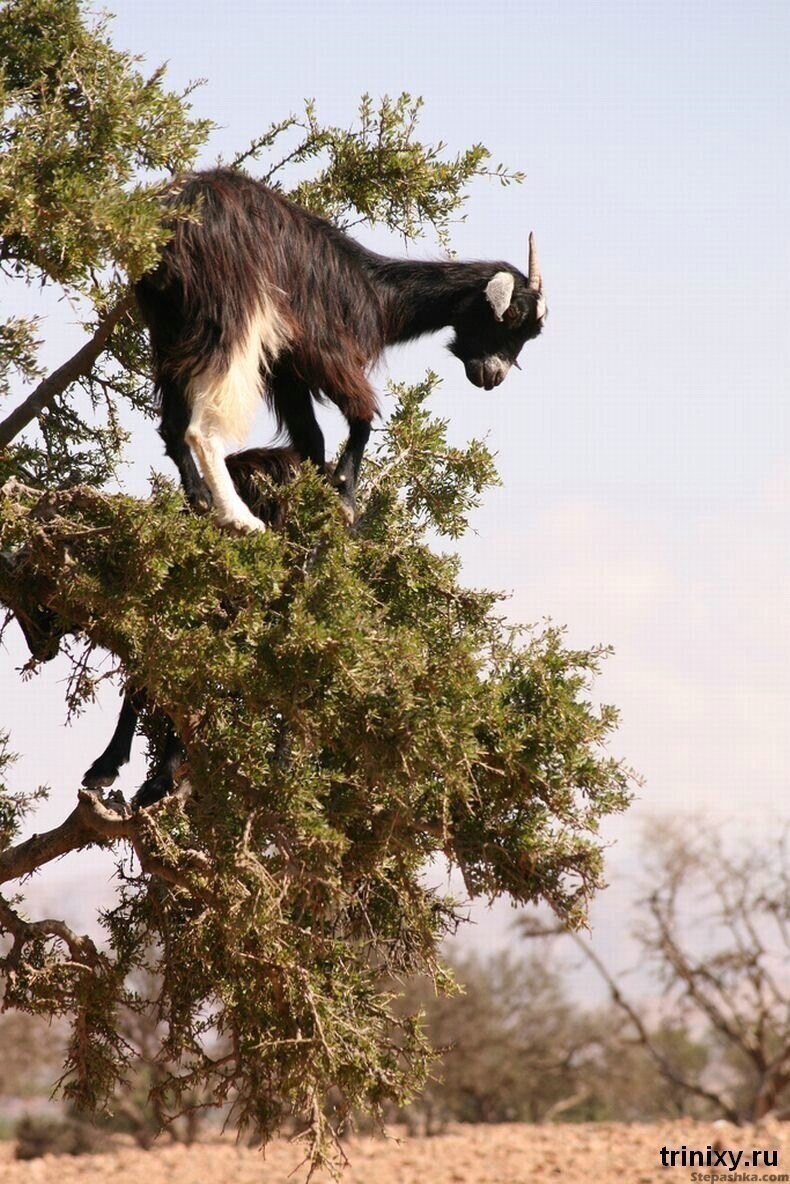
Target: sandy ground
(513, 1154)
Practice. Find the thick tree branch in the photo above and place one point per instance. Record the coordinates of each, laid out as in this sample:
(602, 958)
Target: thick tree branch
(93, 822)
(55, 383)
(90, 822)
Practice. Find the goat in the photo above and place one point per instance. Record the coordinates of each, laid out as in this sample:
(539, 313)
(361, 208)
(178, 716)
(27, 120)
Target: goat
(255, 295)
(280, 466)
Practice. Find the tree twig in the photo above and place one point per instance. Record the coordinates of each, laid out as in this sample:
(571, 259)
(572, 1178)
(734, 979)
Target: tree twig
(78, 366)
(534, 928)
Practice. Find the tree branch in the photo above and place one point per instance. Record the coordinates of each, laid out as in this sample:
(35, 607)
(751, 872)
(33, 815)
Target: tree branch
(667, 1069)
(81, 947)
(92, 821)
(696, 977)
(55, 383)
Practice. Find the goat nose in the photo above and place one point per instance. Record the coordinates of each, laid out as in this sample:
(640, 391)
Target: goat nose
(495, 372)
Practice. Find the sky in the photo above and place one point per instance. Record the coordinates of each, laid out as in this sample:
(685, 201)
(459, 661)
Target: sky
(643, 448)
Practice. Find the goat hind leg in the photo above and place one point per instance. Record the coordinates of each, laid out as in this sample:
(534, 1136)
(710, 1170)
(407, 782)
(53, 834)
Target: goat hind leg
(161, 782)
(294, 406)
(175, 421)
(106, 767)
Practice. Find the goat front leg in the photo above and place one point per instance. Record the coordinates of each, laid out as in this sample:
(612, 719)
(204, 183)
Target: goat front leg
(175, 421)
(347, 471)
(105, 768)
(223, 398)
(229, 508)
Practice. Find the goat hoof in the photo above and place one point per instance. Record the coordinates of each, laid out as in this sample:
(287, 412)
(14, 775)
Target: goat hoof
(99, 778)
(251, 525)
(200, 499)
(151, 791)
(201, 504)
(116, 802)
(254, 527)
(348, 503)
(349, 511)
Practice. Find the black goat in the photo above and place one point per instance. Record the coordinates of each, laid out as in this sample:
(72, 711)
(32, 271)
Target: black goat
(277, 466)
(258, 296)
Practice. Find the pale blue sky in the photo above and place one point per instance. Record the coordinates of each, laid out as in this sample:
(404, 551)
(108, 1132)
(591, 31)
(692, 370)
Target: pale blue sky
(646, 497)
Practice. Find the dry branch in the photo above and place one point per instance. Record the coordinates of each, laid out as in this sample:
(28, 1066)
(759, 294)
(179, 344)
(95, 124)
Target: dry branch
(77, 366)
(92, 822)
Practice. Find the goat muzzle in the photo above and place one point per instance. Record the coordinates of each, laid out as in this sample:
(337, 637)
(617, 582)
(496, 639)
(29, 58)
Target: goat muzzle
(488, 372)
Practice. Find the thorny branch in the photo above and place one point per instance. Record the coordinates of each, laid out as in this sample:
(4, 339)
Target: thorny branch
(81, 948)
(92, 822)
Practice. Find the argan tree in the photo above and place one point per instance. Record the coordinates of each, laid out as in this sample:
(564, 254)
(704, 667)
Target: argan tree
(349, 710)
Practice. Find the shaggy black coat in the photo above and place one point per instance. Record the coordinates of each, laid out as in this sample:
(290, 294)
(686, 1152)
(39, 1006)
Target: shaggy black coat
(254, 291)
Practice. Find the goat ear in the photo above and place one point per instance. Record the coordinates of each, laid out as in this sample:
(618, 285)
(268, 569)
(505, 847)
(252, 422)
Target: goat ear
(499, 292)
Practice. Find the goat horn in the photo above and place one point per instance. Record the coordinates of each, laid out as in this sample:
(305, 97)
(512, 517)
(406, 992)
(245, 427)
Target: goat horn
(534, 276)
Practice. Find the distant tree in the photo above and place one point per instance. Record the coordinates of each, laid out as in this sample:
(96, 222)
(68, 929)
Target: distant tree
(624, 1083)
(139, 1105)
(32, 1051)
(516, 1046)
(512, 1044)
(714, 928)
(349, 710)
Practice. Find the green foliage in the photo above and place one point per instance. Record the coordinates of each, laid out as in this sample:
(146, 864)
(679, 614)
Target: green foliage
(18, 352)
(14, 806)
(79, 122)
(82, 133)
(10, 810)
(379, 172)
